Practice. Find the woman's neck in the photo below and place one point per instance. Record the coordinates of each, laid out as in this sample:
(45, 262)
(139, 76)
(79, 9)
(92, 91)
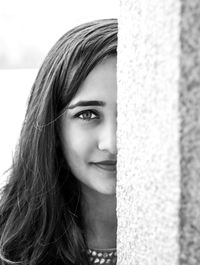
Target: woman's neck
(99, 213)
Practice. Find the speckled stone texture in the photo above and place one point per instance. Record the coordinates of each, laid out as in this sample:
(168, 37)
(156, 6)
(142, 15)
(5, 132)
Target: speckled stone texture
(190, 133)
(148, 136)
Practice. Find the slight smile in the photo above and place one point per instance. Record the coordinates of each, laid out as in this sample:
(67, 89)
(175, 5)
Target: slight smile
(107, 165)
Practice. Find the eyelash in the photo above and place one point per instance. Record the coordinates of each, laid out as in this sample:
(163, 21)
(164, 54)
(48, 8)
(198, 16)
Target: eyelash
(87, 111)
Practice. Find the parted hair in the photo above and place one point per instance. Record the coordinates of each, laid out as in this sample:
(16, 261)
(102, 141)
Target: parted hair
(40, 213)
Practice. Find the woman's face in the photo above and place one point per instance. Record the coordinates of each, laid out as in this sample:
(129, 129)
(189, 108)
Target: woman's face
(88, 130)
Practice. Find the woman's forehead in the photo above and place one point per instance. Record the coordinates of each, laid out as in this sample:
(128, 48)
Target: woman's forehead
(100, 84)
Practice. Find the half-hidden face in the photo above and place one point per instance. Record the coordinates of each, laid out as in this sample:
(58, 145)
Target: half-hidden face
(88, 129)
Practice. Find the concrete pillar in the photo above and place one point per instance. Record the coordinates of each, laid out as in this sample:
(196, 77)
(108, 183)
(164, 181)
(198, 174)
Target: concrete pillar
(190, 133)
(158, 181)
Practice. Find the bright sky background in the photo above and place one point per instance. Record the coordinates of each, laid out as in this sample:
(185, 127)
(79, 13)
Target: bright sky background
(28, 29)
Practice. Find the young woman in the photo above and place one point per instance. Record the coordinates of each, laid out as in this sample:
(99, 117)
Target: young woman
(59, 205)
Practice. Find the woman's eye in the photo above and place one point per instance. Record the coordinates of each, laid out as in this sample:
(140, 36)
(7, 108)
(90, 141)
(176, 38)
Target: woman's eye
(87, 115)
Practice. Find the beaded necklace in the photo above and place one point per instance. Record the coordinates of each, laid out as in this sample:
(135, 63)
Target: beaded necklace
(102, 256)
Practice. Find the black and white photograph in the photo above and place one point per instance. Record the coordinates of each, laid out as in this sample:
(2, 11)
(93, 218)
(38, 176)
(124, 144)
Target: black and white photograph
(100, 132)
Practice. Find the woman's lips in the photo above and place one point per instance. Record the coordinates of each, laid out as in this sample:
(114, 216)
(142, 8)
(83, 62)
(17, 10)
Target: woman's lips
(107, 166)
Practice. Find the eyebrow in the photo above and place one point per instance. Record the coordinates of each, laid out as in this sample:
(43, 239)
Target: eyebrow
(87, 103)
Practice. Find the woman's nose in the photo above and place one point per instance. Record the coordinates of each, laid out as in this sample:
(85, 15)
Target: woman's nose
(107, 137)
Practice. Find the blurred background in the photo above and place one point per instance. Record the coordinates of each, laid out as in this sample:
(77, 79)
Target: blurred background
(28, 29)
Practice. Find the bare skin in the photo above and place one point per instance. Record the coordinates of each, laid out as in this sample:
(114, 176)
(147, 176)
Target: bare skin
(99, 212)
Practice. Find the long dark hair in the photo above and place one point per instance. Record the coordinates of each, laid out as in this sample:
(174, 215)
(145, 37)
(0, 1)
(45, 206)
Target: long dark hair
(40, 216)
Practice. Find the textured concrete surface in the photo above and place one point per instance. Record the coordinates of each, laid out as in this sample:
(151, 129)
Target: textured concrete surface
(148, 190)
(190, 133)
